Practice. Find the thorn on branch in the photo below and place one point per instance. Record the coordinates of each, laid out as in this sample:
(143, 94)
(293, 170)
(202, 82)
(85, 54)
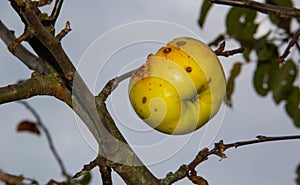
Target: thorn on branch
(222, 52)
(64, 31)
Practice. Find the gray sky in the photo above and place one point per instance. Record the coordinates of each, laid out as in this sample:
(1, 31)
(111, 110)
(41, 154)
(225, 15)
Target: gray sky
(21, 153)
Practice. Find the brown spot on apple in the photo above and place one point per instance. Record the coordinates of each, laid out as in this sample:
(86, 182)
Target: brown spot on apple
(167, 50)
(188, 69)
(144, 100)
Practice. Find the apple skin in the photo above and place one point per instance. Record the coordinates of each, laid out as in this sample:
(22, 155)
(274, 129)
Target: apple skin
(178, 89)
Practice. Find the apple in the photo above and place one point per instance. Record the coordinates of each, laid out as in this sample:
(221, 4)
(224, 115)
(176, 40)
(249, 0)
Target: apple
(179, 88)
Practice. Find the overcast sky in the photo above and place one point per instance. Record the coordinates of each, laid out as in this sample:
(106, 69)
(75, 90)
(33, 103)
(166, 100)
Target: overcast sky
(95, 21)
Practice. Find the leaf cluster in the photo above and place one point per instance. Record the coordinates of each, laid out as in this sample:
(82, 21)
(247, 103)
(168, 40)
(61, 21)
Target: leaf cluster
(275, 74)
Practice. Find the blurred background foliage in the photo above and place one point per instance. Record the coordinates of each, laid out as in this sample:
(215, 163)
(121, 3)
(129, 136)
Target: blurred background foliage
(277, 71)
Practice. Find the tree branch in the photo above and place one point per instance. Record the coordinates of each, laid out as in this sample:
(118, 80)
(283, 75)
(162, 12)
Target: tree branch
(112, 144)
(220, 51)
(104, 170)
(219, 149)
(279, 11)
(286, 52)
(56, 10)
(29, 59)
(64, 31)
(42, 40)
(36, 85)
(16, 180)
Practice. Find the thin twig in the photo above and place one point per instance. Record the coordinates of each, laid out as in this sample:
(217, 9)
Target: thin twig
(119, 79)
(56, 10)
(262, 7)
(64, 31)
(48, 136)
(220, 147)
(86, 168)
(218, 150)
(286, 52)
(43, 42)
(16, 179)
(105, 171)
(231, 52)
(220, 51)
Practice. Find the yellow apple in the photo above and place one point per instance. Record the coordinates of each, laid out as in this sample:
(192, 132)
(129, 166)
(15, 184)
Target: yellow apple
(178, 89)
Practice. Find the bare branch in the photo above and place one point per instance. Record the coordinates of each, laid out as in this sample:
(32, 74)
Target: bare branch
(36, 85)
(29, 59)
(220, 51)
(56, 10)
(220, 147)
(181, 173)
(279, 11)
(105, 171)
(41, 3)
(16, 179)
(64, 32)
(121, 78)
(48, 136)
(286, 52)
(42, 40)
(218, 150)
(86, 168)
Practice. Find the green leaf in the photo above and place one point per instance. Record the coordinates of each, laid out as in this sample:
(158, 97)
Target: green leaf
(240, 24)
(281, 80)
(246, 53)
(204, 10)
(261, 78)
(293, 107)
(235, 71)
(265, 51)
